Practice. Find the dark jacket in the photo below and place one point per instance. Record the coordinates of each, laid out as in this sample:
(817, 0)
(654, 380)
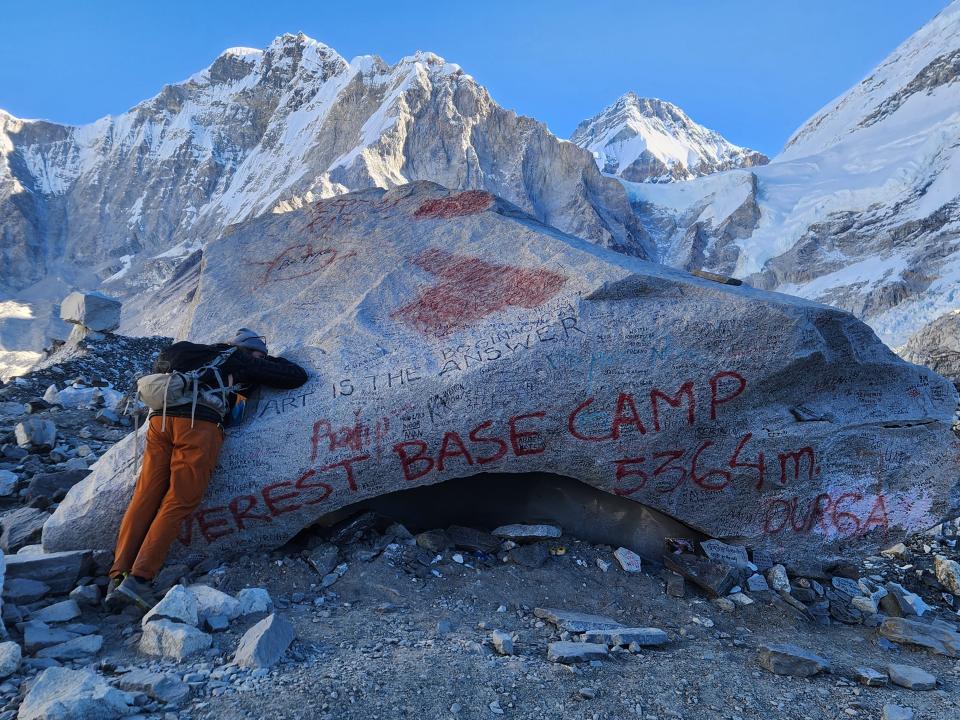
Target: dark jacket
(248, 372)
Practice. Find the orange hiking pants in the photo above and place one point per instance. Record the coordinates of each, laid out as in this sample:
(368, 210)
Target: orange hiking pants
(177, 465)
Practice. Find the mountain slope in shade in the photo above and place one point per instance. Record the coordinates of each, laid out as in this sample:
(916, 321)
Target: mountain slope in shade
(125, 199)
(650, 140)
(862, 208)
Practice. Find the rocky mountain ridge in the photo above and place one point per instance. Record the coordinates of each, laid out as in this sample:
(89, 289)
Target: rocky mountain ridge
(649, 140)
(122, 201)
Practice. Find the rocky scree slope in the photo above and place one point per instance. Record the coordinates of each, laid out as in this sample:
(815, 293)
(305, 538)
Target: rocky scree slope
(861, 210)
(650, 140)
(125, 199)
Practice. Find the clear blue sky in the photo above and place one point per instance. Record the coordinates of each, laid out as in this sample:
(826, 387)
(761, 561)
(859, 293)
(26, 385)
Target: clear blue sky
(752, 69)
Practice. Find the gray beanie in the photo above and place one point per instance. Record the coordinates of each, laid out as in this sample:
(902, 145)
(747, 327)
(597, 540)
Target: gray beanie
(247, 338)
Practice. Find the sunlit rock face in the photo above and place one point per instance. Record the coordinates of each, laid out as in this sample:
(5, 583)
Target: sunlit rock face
(449, 333)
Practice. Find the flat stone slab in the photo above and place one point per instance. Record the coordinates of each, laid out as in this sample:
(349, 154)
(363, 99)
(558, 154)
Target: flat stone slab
(717, 579)
(22, 591)
(172, 639)
(577, 622)
(79, 647)
(643, 637)
(526, 533)
(160, 686)
(59, 570)
(941, 640)
(786, 659)
(59, 692)
(575, 652)
(870, 677)
(448, 334)
(63, 611)
(911, 677)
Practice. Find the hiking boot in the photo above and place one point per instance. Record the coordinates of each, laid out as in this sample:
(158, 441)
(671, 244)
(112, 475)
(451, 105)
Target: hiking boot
(137, 592)
(114, 601)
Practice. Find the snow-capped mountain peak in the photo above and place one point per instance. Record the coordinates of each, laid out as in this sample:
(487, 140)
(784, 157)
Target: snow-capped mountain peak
(651, 140)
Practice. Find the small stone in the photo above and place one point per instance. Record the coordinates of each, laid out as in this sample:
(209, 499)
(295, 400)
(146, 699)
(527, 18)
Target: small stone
(896, 712)
(586, 693)
(628, 559)
(73, 649)
(265, 643)
(899, 552)
(172, 639)
(865, 605)
(911, 677)
(323, 558)
(64, 611)
(215, 623)
(445, 626)
(576, 621)
(532, 555)
(254, 600)
(870, 677)
(36, 434)
(10, 655)
(603, 565)
(502, 642)
(777, 578)
(179, 605)
(786, 659)
(436, 541)
(724, 604)
(721, 552)
(165, 688)
(38, 635)
(75, 464)
(63, 694)
(471, 539)
(742, 599)
(575, 652)
(525, 533)
(86, 595)
(21, 527)
(641, 637)
(211, 601)
(948, 573)
(676, 586)
(757, 583)
(24, 590)
(8, 482)
(715, 578)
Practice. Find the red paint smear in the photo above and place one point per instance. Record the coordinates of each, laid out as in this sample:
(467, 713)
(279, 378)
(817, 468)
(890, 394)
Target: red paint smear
(470, 202)
(470, 289)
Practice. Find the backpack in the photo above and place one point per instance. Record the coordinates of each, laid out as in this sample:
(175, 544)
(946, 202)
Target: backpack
(188, 376)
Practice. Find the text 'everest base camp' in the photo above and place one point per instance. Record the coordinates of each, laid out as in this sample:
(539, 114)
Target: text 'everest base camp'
(451, 334)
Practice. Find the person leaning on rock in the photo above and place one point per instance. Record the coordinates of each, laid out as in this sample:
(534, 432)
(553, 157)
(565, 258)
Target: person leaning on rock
(193, 390)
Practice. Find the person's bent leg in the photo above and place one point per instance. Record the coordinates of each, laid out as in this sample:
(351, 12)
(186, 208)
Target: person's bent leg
(194, 457)
(148, 494)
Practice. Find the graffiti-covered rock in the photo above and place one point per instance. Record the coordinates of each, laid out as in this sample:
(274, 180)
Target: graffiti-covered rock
(449, 334)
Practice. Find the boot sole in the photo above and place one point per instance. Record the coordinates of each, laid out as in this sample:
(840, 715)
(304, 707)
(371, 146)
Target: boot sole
(133, 597)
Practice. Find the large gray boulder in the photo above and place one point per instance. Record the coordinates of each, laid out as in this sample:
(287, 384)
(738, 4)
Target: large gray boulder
(450, 334)
(63, 694)
(92, 310)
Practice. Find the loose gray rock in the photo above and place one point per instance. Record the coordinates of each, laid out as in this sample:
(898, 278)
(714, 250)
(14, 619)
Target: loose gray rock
(896, 712)
(24, 590)
(8, 482)
(60, 612)
(172, 639)
(88, 595)
(92, 310)
(948, 573)
(22, 526)
(211, 602)
(265, 643)
(575, 652)
(786, 659)
(10, 656)
(628, 559)
(527, 533)
(777, 578)
(898, 552)
(73, 649)
(160, 686)
(323, 558)
(911, 677)
(59, 570)
(38, 635)
(254, 600)
(502, 642)
(178, 605)
(63, 694)
(938, 638)
(576, 622)
(643, 637)
(870, 677)
(36, 434)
